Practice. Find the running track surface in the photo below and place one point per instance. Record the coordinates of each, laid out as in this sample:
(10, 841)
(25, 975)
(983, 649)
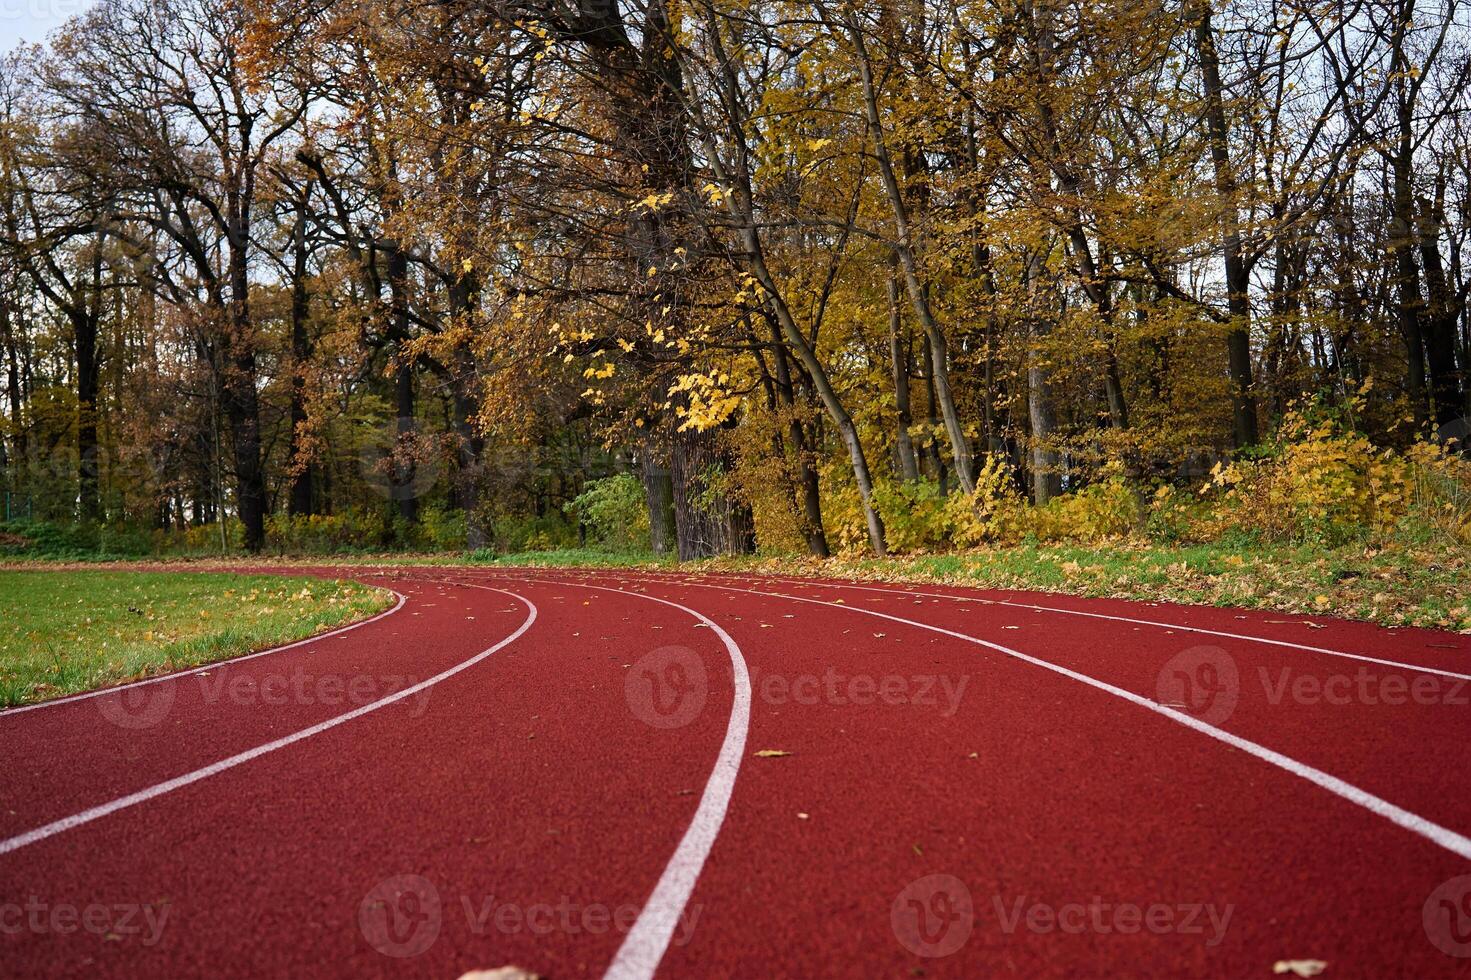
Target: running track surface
(576, 774)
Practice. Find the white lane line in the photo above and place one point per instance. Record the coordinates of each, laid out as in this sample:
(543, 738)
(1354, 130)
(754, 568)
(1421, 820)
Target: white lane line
(168, 786)
(1443, 836)
(1247, 637)
(1416, 668)
(213, 665)
(647, 941)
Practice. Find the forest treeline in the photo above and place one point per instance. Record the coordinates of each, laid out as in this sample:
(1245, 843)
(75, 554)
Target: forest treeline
(775, 273)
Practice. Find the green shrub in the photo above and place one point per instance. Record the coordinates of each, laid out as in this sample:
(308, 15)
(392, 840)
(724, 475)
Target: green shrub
(533, 533)
(614, 512)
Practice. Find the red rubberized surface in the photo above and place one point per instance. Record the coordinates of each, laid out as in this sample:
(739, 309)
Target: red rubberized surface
(945, 809)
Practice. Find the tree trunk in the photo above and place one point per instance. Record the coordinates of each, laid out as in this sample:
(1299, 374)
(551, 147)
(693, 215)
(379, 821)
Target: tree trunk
(918, 295)
(404, 490)
(241, 401)
(1444, 315)
(812, 527)
(741, 207)
(470, 457)
(1238, 274)
(1407, 272)
(299, 499)
(1046, 476)
(899, 366)
(708, 520)
(931, 450)
(84, 330)
(659, 495)
(20, 453)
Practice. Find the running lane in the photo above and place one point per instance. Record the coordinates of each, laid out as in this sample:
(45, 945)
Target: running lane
(948, 807)
(754, 778)
(1380, 708)
(57, 758)
(520, 813)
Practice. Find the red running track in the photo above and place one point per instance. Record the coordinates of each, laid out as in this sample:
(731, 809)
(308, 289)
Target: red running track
(572, 773)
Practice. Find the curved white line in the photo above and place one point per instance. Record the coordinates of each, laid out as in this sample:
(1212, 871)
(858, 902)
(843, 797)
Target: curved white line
(168, 786)
(1417, 668)
(1457, 844)
(21, 709)
(647, 941)
(1247, 637)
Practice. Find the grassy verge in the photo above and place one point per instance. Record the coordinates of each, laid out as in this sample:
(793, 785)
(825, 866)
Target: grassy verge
(66, 631)
(1393, 586)
(578, 558)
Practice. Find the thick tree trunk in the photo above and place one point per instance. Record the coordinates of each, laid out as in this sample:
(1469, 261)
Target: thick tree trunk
(241, 401)
(706, 523)
(84, 331)
(1238, 274)
(1441, 322)
(85, 315)
(1403, 247)
(464, 297)
(659, 496)
(899, 367)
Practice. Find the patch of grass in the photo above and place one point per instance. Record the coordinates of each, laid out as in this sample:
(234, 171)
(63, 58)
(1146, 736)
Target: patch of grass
(67, 631)
(1396, 585)
(1392, 585)
(584, 558)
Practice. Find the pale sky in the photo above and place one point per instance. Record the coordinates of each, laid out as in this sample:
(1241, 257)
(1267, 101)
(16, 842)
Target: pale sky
(32, 20)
